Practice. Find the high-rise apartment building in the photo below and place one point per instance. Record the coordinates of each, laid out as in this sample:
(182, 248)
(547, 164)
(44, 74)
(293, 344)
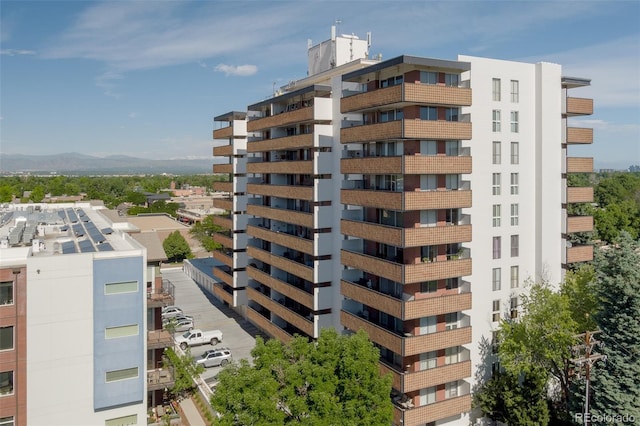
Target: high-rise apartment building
(410, 198)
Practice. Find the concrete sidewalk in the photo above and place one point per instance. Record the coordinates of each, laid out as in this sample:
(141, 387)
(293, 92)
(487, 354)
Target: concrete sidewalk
(191, 413)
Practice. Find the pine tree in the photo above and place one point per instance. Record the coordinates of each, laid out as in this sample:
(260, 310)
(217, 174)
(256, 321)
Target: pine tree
(616, 383)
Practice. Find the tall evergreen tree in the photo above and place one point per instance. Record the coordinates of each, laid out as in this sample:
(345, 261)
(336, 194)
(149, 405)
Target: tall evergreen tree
(616, 383)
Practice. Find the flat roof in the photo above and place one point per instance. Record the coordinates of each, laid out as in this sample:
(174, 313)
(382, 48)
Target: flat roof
(457, 66)
(287, 95)
(58, 229)
(230, 116)
(571, 82)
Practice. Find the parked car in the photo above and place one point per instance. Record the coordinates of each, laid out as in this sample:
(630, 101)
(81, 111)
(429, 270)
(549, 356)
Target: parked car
(215, 357)
(183, 325)
(171, 312)
(197, 337)
(176, 318)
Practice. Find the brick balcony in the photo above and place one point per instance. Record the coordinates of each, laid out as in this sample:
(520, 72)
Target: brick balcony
(287, 265)
(407, 92)
(406, 382)
(579, 135)
(410, 200)
(222, 151)
(223, 168)
(407, 129)
(282, 311)
(579, 165)
(579, 106)
(409, 273)
(283, 191)
(580, 194)
(407, 164)
(290, 241)
(432, 412)
(406, 237)
(579, 224)
(408, 344)
(281, 167)
(280, 120)
(406, 310)
(267, 326)
(288, 216)
(283, 143)
(579, 254)
(289, 290)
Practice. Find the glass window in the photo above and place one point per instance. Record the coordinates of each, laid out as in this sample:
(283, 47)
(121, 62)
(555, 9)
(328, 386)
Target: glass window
(497, 243)
(6, 338)
(496, 148)
(514, 307)
(451, 321)
(496, 317)
(497, 279)
(428, 148)
(452, 216)
(123, 331)
(452, 283)
(124, 287)
(6, 293)
(428, 218)
(496, 89)
(453, 148)
(452, 355)
(496, 120)
(515, 153)
(428, 77)
(6, 383)
(428, 360)
(515, 245)
(496, 215)
(428, 325)
(428, 113)
(515, 91)
(127, 373)
(514, 121)
(514, 214)
(451, 389)
(428, 287)
(452, 80)
(496, 184)
(428, 395)
(452, 182)
(452, 114)
(515, 276)
(514, 184)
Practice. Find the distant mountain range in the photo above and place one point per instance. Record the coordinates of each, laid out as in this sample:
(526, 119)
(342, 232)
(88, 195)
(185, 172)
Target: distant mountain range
(80, 164)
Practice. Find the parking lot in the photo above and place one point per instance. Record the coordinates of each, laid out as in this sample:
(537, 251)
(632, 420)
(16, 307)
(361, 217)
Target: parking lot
(210, 314)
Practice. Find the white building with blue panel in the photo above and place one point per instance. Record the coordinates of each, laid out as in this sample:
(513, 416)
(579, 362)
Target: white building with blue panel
(85, 315)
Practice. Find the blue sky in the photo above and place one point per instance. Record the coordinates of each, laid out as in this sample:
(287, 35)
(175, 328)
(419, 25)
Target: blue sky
(146, 78)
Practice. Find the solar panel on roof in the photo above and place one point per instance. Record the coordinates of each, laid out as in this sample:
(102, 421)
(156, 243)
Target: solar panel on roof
(107, 231)
(86, 246)
(68, 247)
(72, 215)
(105, 247)
(64, 228)
(78, 230)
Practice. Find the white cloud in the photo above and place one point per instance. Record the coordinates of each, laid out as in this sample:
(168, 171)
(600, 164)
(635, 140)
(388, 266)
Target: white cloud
(613, 68)
(133, 114)
(238, 70)
(142, 35)
(16, 52)
(106, 82)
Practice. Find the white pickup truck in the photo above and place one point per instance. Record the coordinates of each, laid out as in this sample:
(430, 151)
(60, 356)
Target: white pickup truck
(197, 337)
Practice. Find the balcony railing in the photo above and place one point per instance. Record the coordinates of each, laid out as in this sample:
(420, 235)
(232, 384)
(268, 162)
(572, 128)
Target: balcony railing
(159, 339)
(160, 379)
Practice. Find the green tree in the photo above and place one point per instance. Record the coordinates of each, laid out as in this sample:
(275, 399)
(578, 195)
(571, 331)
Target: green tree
(6, 193)
(335, 380)
(538, 343)
(37, 194)
(176, 247)
(137, 198)
(516, 400)
(185, 371)
(579, 290)
(203, 232)
(615, 382)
